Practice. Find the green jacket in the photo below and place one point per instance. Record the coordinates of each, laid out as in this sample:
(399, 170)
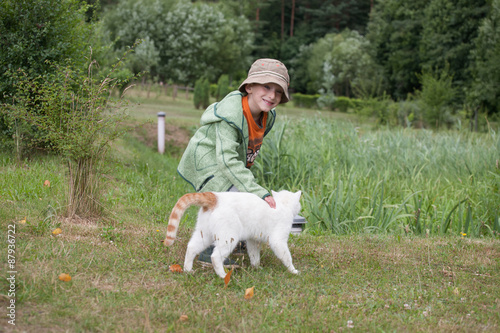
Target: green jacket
(215, 158)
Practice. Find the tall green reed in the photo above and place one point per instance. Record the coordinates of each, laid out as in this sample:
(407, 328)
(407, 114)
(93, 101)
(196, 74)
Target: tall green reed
(411, 181)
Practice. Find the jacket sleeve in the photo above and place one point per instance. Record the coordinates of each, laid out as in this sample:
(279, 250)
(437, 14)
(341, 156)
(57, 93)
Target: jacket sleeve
(230, 163)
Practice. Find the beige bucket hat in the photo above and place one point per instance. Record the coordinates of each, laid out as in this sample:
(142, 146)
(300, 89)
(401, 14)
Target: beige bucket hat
(268, 71)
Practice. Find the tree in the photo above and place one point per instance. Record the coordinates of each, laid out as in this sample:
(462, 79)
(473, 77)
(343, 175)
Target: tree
(350, 62)
(280, 21)
(394, 32)
(448, 36)
(199, 40)
(316, 58)
(300, 76)
(327, 16)
(192, 40)
(145, 58)
(131, 20)
(484, 92)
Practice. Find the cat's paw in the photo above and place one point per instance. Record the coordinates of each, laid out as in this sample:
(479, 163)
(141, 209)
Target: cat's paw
(294, 271)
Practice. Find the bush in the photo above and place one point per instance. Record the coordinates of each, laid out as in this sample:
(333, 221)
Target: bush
(341, 103)
(213, 90)
(74, 116)
(409, 113)
(326, 100)
(36, 33)
(222, 87)
(305, 101)
(381, 108)
(437, 97)
(201, 96)
(344, 104)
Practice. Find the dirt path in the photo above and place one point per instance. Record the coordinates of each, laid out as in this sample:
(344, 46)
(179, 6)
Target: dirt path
(174, 135)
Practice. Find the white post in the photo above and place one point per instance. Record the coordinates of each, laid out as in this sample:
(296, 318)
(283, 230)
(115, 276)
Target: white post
(161, 132)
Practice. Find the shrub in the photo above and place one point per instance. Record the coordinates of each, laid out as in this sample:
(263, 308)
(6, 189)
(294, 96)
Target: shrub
(409, 113)
(76, 117)
(222, 87)
(381, 108)
(325, 101)
(213, 90)
(197, 94)
(34, 34)
(305, 101)
(437, 96)
(344, 104)
(201, 96)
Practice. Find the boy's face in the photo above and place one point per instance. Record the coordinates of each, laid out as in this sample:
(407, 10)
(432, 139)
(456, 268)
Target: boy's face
(263, 97)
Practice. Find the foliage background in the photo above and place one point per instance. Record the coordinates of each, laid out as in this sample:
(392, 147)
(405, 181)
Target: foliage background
(351, 48)
(429, 64)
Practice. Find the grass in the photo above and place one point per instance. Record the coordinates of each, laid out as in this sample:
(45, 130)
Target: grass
(386, 180)
(377, 282)
(384, 281)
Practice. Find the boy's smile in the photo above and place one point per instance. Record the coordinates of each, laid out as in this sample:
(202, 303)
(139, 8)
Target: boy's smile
(263, 97)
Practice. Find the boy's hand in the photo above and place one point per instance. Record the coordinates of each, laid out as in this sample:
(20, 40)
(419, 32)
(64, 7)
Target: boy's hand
(270, 200)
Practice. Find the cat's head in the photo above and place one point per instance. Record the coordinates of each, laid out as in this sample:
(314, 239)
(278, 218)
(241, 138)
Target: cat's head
(288, 199)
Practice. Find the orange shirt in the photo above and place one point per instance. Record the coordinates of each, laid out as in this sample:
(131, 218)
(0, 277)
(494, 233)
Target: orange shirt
(255, 132)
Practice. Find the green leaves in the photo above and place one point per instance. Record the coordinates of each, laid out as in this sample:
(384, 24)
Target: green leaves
(37, 31)
(201, 96)
(184, 41)
(74, 114)
(485, 69)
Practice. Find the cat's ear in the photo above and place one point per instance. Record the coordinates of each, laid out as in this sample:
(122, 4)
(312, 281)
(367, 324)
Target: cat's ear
(298, 193)
(273, 193)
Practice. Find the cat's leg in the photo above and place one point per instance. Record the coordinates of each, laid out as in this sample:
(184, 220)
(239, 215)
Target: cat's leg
(195, 246)
(281, 251)
(222, 250)
(253, 249)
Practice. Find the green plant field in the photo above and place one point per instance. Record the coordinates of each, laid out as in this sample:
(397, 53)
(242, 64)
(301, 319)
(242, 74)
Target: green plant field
(398, 181)
(367, 262)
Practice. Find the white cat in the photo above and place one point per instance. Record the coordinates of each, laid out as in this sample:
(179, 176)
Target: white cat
(225, 218)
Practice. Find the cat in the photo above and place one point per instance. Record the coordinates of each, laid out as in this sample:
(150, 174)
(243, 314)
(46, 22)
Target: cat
(226, 218)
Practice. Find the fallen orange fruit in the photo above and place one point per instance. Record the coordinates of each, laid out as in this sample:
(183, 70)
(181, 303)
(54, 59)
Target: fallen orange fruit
(64, 277)
(176, 268)
(56, 231)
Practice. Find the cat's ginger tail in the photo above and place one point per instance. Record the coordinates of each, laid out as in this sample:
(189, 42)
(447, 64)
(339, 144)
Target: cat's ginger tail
(206, 200)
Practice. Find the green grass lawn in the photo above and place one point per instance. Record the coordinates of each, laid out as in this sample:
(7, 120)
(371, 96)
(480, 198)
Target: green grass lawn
(121, 282)
(379, 283)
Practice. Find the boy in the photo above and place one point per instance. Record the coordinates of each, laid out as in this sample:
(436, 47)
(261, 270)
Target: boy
(219, 155)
